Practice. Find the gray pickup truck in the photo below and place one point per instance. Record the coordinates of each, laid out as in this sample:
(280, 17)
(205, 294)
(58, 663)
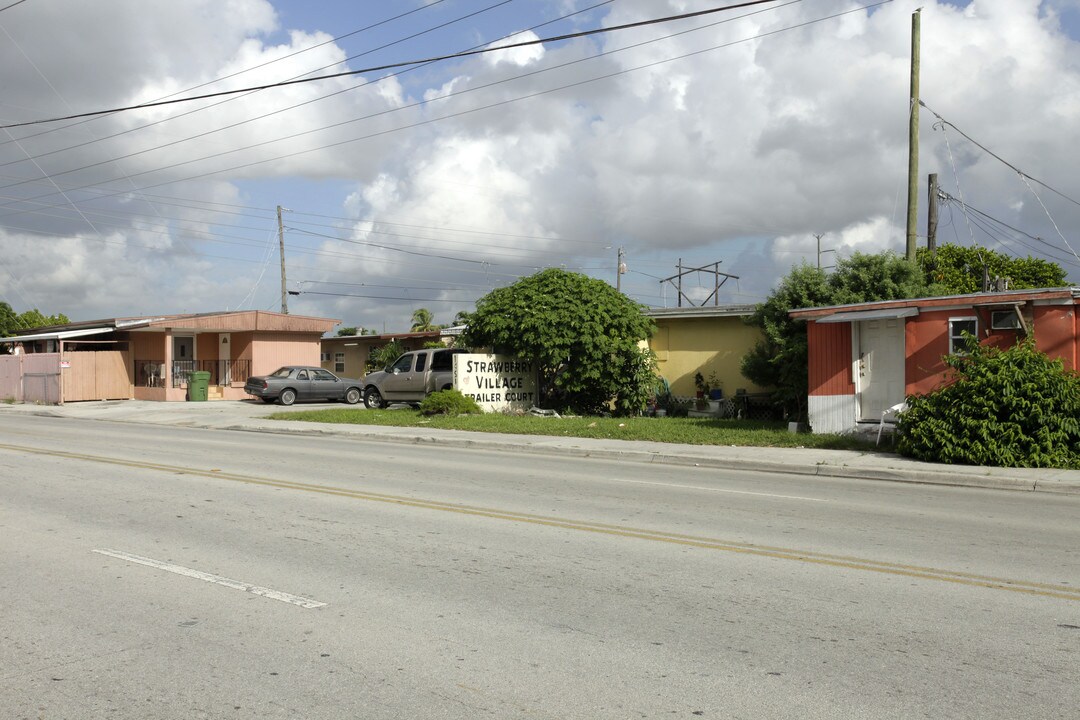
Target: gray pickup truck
(411, 378)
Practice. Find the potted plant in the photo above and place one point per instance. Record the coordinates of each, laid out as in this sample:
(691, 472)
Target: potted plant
(715, 391)
(701, 385)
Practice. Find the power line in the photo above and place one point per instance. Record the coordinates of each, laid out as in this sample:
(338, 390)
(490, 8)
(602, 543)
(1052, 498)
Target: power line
(997, 157)
(308, 132)
(463, 112)
(18, 2)
(385, 297)
(224, 77)
(985, 218)
(391, 66)
(213, 105)
(231, 99)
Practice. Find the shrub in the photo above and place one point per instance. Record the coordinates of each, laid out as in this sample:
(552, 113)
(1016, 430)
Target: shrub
(380, 357)
(1010, 408)
(449, 402)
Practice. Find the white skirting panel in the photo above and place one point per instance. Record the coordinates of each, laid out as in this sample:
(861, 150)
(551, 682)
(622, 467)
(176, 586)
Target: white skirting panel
(832, 413)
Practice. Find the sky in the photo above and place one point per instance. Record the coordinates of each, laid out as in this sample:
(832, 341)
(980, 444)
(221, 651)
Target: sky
(730, 141)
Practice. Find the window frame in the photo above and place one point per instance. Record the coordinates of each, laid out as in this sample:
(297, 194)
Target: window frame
(339, 362)
(956, 339)
(1012, 321)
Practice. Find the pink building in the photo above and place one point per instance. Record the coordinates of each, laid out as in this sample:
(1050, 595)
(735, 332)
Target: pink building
(868, 357)
(152, 358)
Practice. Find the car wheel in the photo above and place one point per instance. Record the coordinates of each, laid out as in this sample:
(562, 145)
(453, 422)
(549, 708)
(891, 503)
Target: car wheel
(373, 399)
(287, 396)
(352, 396)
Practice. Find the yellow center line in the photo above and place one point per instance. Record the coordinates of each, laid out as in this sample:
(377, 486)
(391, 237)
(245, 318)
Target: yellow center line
(1052, 590)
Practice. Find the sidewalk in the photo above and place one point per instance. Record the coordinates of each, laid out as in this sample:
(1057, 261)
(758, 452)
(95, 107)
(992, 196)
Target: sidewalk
(252, 417)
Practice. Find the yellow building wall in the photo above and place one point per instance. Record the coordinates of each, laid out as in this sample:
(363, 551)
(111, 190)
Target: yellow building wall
(685, 346)
(357, 348)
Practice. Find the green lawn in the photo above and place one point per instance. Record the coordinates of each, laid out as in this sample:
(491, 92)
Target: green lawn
(691, 431)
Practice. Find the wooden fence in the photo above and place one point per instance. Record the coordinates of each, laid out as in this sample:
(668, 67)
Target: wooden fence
(98, 375)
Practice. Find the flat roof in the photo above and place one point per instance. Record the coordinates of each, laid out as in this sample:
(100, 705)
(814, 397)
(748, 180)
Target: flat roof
(703, 311)
(981, 298)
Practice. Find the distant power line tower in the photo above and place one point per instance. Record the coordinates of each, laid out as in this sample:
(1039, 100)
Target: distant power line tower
(713, 269)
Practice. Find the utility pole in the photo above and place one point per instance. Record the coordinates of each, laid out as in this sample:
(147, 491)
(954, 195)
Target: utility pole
(620, 270)
(713, 270)
(281, 247)
(932, 214)
(819, 250)
(913, 140)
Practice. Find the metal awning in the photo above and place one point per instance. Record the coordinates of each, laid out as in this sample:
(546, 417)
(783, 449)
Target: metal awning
(59, 335)
(861, 315)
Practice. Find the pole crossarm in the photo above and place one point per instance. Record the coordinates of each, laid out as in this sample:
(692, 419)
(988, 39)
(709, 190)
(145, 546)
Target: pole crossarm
(712, 269)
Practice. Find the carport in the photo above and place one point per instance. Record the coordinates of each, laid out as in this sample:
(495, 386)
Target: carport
(96, 367)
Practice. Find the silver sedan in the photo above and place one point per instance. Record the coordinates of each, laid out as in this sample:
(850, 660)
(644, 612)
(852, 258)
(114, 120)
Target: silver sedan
(288, 384)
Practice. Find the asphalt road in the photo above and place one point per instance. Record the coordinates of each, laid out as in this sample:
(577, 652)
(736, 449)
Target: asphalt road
(164, 572)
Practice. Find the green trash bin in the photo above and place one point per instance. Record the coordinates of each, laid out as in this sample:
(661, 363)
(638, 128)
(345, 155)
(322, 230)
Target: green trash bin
(198, 386)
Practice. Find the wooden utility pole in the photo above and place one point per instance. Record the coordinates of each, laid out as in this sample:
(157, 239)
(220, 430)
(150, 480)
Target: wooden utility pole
(913, 140)
(932, 214)
(620, 269)
(281, 247)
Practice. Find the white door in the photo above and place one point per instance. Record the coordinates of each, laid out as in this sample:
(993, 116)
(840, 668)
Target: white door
(881, 366)
(224, 358)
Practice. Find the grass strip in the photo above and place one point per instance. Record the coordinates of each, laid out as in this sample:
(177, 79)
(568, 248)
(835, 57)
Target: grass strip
(687, 431)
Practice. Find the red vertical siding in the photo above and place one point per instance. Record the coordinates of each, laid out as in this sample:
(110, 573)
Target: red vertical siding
(829, 366)
(1055, 332)
(927, 339)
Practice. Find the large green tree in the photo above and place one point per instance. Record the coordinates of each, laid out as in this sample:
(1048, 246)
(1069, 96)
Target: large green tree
(11, 322)
(955, 270)
(583, 334)
(779, 360)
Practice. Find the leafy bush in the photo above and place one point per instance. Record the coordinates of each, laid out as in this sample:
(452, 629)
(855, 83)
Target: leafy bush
(449, 402)
(381, 357)
(1011, 408)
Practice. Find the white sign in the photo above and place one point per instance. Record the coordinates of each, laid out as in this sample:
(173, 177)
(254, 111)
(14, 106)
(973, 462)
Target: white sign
(496, 382)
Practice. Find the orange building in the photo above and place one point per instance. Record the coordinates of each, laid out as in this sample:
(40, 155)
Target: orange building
(153, 358)
(868, 357)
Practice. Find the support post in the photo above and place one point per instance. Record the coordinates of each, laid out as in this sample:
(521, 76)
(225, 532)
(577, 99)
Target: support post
(281, 247)
(932, 214)
(620, 268)
(913, 140)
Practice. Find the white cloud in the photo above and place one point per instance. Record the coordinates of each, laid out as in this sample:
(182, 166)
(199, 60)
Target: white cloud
(518, 56)
(766, 130)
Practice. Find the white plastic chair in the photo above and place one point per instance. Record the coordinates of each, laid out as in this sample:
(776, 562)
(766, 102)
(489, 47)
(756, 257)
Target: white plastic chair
(893, 411)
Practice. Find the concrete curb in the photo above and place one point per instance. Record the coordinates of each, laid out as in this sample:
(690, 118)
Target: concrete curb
(809, 462)
(982, 477)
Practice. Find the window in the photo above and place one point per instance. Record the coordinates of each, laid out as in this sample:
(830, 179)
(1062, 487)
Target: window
(1004, 320)
(421, 362)
(958, 328)
(322, 375)
(443, 360)
(402, 364)
(339, 362)
(302, 375)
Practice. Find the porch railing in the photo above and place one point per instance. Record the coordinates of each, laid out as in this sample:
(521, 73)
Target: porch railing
(151, 373)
